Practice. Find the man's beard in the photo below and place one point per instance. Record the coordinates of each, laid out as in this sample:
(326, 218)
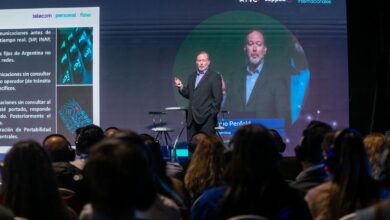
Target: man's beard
(255, 61)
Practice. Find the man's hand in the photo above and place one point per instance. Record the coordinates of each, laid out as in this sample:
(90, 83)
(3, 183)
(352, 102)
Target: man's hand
(178, 83)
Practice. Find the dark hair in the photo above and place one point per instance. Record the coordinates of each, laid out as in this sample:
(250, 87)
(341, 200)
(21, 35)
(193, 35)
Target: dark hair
(118, 178)
(255, 29)
(86, 137)
(253, 170)
(155, 157)
(310, 149)
(29, 186)
(347, 161)
(164, 184)
(203, 52)
(61, 150)
(281, 146)
(195, 140)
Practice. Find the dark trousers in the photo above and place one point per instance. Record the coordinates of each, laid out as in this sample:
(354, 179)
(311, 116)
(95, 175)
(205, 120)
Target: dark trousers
(208, 127)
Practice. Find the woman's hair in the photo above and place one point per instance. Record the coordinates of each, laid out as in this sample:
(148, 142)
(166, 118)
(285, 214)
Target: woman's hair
(118, 178)
(29, 186)
(206, 166)
(253, 172)
(347, 162)
(374, 144)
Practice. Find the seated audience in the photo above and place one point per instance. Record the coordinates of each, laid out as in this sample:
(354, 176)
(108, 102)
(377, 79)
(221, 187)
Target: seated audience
(254, 185)
(69, 177)
(289, 166)
(29, 186)
(309, 154)
(379, 211)
(206, 167)
(111, 131)
(6, 214)
(86, 137)
(121, 184)
(351, 186)
(374, 144)
(167, 186)
(61, 154)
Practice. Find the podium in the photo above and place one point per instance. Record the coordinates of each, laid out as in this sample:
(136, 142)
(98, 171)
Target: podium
(220, 128)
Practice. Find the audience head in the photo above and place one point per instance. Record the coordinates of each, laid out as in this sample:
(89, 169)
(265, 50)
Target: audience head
(86, 137)
(255, 156)
(346, 155)
(206, 167)
(309, 150)
(374, 144)
(347, 161)
(281, 146)
(195, 140)
(384, 175)
(155, 157)
(58, 148)
(111, 131)
(253, 178)
(29, 186)
(118, 177)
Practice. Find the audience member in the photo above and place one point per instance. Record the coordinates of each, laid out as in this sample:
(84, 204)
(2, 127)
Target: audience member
(116, 174)
(379, 211)
(29, 186)
(309, 154)
(121, 184)
(289, 166)
(254, 184)
(206, 168)
(6, 214)
(351, 186)
(61, 154)
(69, 177)
(280, 145)
(167, 186)
(111, 131)
(384, 174)
(374, 144)
(86, 137)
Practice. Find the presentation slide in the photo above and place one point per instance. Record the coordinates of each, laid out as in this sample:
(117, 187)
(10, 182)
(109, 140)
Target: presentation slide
(64, 64)
(49, 72)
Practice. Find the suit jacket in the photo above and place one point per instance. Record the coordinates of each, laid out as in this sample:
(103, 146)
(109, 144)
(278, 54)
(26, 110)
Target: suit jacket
(269, 98)
(205, 99)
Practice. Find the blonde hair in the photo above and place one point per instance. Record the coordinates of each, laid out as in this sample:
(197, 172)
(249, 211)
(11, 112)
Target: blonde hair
(374, 143)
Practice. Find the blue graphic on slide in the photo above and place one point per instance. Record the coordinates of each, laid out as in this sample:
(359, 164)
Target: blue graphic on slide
(73, 116)
(74, 56)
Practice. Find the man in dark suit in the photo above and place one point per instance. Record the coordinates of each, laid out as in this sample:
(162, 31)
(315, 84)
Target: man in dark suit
(204, 92)
(260, 88)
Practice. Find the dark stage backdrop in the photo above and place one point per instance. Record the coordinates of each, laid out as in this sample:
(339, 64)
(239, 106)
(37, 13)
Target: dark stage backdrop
(144, 44)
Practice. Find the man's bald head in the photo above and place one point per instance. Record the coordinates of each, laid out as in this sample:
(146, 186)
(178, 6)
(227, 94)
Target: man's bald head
(58, 148)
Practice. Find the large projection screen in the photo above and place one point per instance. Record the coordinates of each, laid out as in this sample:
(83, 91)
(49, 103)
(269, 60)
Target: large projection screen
(138, 47)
